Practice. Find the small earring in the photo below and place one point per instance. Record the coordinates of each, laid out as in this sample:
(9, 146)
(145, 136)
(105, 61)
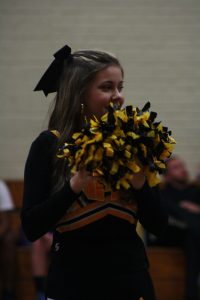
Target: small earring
(82, 113)
(82, 108)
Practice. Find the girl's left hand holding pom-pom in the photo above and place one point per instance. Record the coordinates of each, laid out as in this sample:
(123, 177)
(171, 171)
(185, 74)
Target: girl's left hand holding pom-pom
(138, 179)
(79, 180)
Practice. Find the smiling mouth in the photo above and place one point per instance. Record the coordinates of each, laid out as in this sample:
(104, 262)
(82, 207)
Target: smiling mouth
(116, 105)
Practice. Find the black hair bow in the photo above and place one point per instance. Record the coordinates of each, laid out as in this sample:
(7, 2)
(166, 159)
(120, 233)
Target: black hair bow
(49, 81)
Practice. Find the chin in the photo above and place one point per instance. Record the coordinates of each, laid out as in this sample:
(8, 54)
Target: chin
(100, 114)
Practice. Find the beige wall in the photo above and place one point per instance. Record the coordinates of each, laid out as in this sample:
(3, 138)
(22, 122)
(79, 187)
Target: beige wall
(158, 42)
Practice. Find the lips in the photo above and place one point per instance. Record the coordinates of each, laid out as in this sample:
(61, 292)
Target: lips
(116, 105)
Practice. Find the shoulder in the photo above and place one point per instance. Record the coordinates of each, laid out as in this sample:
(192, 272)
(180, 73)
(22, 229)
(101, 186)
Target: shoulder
(43, 147)
(3, 188)
(6, 202)
(45, 137)
(2, 185)
(46, 141)
(195, 185)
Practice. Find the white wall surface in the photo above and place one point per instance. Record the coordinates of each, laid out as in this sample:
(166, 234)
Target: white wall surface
(157, 41)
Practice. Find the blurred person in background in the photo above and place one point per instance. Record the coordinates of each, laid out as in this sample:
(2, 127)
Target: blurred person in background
(39, 256)
(7, 245)
(197, 177)
(182, 201)
(40, 251)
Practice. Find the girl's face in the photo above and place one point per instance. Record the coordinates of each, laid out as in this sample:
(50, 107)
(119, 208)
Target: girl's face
(105, 88)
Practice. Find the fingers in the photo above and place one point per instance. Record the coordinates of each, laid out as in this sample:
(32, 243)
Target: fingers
(138, 180)
(79, 180)
(83, 172)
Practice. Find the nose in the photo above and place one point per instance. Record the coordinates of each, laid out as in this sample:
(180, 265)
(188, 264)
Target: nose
(117, 97)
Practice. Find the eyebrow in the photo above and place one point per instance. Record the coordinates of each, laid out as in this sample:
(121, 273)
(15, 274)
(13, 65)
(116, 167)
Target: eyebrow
(110, 81)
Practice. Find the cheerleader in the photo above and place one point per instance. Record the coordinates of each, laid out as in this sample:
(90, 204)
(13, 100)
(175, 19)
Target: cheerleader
(96, 252)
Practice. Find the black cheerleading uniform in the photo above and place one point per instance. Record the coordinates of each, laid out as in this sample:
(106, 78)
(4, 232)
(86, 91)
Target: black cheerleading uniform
(96, 254)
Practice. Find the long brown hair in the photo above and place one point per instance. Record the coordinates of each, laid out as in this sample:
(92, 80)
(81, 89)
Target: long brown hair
(78, 72)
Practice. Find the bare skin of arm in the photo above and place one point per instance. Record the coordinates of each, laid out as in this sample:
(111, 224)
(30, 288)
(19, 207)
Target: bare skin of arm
(190, 206)
(4, 223)
(8, 251)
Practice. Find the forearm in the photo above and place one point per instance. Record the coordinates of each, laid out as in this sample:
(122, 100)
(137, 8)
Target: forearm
(151, 212)
(4, 223)
(42, 217)
(3, 230)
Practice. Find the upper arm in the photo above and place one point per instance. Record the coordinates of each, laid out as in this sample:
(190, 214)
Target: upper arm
(42, 209)
(37, 174)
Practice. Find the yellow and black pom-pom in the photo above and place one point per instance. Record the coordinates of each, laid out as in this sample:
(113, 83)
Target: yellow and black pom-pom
(112, 146)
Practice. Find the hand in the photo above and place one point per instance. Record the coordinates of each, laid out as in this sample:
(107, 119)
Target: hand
(79, 180)
(138, 179)
(190, 206)
(4, 223)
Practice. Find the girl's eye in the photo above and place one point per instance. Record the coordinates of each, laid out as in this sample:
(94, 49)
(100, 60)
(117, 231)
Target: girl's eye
(106, 87)
(120, 88)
